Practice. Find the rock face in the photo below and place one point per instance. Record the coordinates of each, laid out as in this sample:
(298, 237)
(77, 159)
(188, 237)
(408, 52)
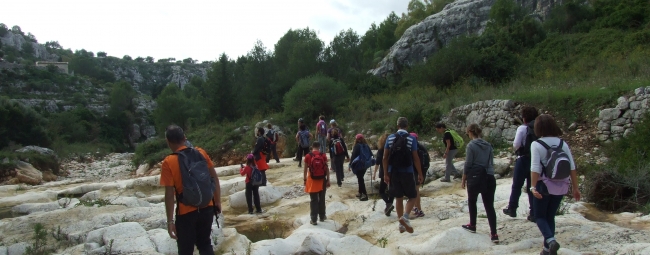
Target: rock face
(462, 17)
(26, 173)
(617, 122)
(498, 118)
(17, 41)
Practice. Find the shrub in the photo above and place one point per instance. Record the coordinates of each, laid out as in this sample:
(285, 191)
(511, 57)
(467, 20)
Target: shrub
(151, 152)
(21, 124)
(313, 96)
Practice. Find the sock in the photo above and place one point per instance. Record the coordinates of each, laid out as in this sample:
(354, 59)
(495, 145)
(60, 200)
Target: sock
(406, 216)
(548, 241)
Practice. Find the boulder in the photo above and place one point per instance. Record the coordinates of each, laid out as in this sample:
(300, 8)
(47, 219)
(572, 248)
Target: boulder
(40, 150)
(311, 246)
(26, 173)
(232, 186)
(17, 248)
(623, 104)
(268, 195)
(164, 244)
(452, 241)
(3, 250)
(142, 169)
(610, 114)
(127, 237)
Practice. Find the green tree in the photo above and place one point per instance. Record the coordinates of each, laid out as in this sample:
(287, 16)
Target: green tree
(53, 45)
(298, 53)
(17, 30)
(149, 59)
(218, 87)
(188, 61)
(121, 114)
(28, 48)
(21, 124)
(417, 11)
(313, 96)
(377, 40)
(101, 54)
(258, 74)
(343, 56)
(3, 29)
(127, 57)
(173, 107)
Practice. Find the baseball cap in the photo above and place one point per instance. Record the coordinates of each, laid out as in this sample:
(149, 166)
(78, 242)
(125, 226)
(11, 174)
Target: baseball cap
(332, 121)
(250, 156)
(414, 135)
(358, 136)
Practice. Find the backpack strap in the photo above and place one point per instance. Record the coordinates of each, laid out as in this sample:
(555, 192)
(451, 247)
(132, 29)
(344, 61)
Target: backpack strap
(546, 145)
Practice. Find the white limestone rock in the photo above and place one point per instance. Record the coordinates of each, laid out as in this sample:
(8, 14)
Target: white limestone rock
(17, 248)
(268, 195)
(164, 244)
(232, 186)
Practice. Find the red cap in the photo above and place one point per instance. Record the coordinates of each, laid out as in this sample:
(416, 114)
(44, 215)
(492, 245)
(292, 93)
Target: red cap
(250, 156)
(414, 135)
(359, 136)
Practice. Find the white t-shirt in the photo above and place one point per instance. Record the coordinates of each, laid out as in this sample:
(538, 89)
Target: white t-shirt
(538, 154)
(520, 137)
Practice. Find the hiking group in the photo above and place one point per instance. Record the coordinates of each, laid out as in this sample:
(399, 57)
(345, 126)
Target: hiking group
(544, 163)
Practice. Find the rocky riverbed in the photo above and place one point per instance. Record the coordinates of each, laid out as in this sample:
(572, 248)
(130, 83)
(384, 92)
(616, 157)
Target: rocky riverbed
(124, 215)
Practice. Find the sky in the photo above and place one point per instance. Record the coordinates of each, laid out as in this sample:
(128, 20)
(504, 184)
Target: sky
(198, 29)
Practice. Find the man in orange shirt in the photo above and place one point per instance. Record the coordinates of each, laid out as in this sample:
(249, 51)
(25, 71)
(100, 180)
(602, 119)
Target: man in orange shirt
(193, 225)
(317, 182)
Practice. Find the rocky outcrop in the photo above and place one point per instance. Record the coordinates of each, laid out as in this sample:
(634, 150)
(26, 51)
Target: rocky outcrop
(17, 40)
(617, 122)
(498, 118)
(462, 17)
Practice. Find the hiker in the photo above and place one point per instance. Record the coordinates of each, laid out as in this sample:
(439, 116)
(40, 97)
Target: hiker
(450, 152)
(338, 154)
(317, 179)
(333, 126)
(193, 222)
(383, 187)
(252, 191)
(300, 123)
(303, 138)
(260, 152)
(401, 157)
(272, 135)
(478, 178)
(321, 130)
(361, 148)
(552, 170)
(524, 137)
(424, 162)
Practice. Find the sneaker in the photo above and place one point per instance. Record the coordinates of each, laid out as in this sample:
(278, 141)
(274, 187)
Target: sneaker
(358, 195)
(313, 222)
(553, 246)
(419, 214)
(416, 210)
(250, 212)
(364, 197)
(511, 213)
(295, 159)
(339, 185)
(260, 211)
(469, 228)
(445, 180)
(389, 209)
(406, 223)
(277, 161)
(299, 165)
(322, 219)
(531, 218)
(401, 229)
(494, 238)
(544, 252)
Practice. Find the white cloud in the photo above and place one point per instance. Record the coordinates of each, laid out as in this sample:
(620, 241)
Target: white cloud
(198, 29)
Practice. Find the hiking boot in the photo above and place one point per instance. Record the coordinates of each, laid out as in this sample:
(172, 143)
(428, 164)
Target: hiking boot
(364, 197)
(509, 212)
(445, 180)
(469, 228)
(250, 212)
(299, 165)
(339, 185)
(322, 219)
(494, 238)
(358, 195)
(531, 218)
(406, 223)
(277, 161)
(260, 211)
(313, 222)
(388, 210)
(553, 246)
(401, 229)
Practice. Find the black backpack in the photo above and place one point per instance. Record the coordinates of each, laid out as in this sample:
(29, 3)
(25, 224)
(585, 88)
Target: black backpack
(400, 152)
(530, 138)
(198, 184)
(558, 163)
(424, 158)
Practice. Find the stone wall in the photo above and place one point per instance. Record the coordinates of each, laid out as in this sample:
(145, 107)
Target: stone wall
(618, 122)
(61, 65)
(498, 118)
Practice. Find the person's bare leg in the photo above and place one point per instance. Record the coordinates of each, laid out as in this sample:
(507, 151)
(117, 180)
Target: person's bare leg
(399, 207)
(410, 204)
(417, 199)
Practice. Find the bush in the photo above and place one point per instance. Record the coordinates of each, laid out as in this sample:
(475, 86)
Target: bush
(313, 96)
(21, 124)
(151, 152)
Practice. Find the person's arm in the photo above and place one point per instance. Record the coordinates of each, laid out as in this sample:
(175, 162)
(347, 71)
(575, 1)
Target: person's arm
(298, 138)
(355, 151)
(385, 166)
(304, 172)
(535, 168)
(169, 210)
(259, 145)
(242, 171)
(217, 191)
(469, 157)
(519, 137)
(448, 142)
(418, 166)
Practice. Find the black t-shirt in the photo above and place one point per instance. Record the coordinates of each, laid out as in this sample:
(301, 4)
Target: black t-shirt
(447, 136)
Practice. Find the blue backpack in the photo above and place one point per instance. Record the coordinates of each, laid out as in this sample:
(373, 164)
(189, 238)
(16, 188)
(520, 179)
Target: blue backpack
(304, 139)
(257, 179)
(364, 161)
(198, 184)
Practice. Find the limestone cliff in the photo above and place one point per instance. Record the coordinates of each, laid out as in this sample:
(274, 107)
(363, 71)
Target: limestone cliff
(462, 17)
(17, 40)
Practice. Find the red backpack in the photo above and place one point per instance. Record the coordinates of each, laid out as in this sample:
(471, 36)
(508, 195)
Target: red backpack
(317, 166)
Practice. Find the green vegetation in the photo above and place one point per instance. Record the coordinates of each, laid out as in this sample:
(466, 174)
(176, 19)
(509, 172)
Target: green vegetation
(39, 242)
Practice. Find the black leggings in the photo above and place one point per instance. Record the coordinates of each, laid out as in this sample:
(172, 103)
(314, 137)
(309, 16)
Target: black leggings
(487, 191)
(383, 192)
(192, 229)
(252, 196)
(361, 181)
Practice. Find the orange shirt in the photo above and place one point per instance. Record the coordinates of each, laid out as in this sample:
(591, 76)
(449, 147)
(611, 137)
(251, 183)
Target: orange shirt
(170, 176)
(311, 185)
(261, 163)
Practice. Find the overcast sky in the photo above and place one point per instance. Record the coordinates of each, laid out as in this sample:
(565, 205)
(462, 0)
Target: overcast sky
(187, 28)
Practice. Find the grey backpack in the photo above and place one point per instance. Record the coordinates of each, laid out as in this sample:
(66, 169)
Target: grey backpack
(198, 184)
(558, 164)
